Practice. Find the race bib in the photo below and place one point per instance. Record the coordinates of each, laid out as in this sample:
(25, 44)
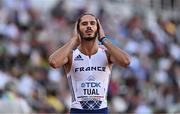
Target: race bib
(90, 88)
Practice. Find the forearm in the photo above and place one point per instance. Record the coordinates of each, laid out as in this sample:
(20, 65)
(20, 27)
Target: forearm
(117, 55)
(60, 56)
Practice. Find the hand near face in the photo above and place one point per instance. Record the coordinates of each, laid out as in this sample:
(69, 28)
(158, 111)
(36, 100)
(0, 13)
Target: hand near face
(101, 31)
(76, 35)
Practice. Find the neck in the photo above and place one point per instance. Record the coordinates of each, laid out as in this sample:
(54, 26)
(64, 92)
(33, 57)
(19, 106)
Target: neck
(88, 47)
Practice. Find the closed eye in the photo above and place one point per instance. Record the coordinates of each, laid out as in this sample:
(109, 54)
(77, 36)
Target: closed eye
(92, 22)
(84, 23)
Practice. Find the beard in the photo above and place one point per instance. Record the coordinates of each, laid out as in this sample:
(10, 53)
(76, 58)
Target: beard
(88, 38)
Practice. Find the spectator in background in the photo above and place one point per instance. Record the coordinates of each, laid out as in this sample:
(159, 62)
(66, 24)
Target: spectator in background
(12, 102)
(152, 41)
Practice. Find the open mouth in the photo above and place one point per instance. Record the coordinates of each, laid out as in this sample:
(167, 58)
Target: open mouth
(89, 32)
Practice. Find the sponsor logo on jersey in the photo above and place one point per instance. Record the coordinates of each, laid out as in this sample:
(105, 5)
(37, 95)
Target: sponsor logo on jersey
(91, 78)
(78, 58)
(91, 84)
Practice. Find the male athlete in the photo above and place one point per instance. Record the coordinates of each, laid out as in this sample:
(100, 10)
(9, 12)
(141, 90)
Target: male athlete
(88, 65)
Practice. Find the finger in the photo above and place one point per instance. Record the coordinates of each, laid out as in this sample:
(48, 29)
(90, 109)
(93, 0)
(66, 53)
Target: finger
(75, 27)
(101, 31)
(99, 23)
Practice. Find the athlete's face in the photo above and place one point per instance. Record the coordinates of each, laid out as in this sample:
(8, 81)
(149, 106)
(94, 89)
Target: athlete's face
(88, 27)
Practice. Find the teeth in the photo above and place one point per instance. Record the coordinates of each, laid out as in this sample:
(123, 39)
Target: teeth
(89, 31)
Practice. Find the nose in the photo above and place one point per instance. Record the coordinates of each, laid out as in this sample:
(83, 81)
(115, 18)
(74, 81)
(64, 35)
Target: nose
(88, 27)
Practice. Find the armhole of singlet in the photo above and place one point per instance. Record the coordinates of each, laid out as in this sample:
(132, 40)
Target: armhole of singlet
(103, 48)
(108, 59)
(106, 52)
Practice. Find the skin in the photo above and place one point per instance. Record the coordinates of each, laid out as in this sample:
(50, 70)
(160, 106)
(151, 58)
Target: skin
(88, 28)
(85, 40)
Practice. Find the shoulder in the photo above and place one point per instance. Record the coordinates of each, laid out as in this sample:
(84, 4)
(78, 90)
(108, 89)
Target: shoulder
(104, 49)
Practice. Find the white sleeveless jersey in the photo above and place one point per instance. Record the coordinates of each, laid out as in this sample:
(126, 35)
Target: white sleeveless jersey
(88, 80)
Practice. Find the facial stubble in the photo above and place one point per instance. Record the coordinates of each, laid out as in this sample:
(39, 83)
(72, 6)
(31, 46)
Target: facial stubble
(90, 38)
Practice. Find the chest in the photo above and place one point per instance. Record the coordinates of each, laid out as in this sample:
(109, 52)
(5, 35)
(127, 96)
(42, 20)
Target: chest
(84, 66)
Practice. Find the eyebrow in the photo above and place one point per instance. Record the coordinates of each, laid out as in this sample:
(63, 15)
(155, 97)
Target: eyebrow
(88, 21)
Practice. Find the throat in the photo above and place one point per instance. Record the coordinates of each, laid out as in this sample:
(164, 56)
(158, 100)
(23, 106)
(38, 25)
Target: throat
(89, 53)
(88, 50)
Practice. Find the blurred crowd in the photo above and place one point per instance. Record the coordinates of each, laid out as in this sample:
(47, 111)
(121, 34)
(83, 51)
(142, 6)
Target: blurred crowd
(151, 84)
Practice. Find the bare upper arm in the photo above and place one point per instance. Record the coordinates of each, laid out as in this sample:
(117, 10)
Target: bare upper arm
(110, 58)
(68, 64)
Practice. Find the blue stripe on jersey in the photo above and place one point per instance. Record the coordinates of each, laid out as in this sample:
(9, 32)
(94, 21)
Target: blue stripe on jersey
(71, 88)
(79, 111)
